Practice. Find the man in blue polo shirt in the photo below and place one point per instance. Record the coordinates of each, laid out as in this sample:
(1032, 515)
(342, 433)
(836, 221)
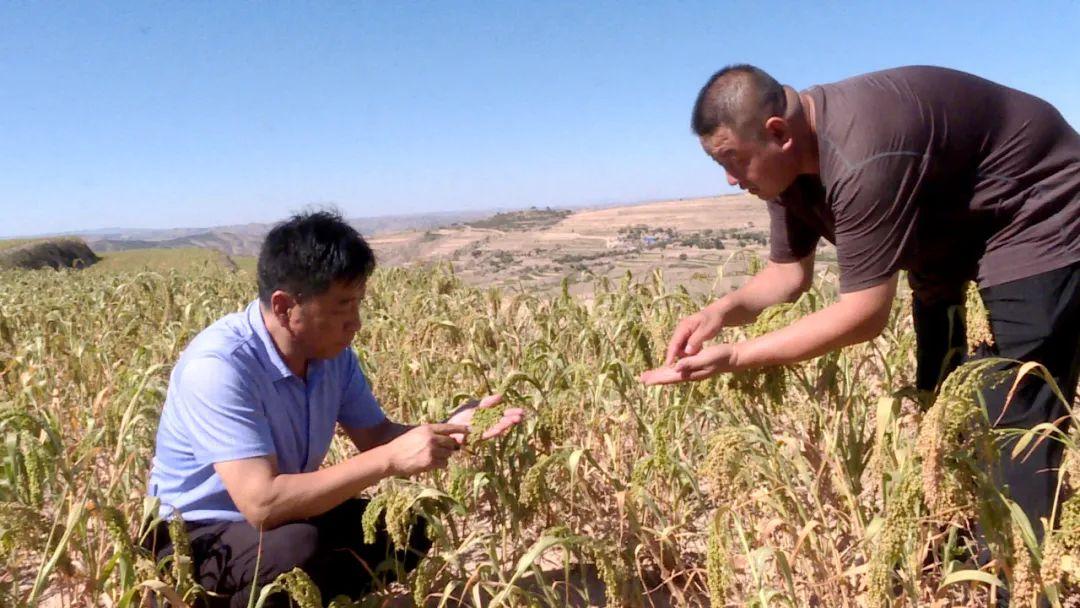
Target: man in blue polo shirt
(250, 412)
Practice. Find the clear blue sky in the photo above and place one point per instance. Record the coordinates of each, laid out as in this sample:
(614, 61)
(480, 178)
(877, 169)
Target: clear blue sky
(197, 113)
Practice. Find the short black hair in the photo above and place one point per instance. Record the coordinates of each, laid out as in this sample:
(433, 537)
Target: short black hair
(740, 97)
(306, 253)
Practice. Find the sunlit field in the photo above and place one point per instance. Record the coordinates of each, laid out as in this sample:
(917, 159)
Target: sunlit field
(831, 483)
(12, 243)
(157, 260)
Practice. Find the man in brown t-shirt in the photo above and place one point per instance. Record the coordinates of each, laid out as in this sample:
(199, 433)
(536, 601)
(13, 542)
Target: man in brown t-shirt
(940, 173)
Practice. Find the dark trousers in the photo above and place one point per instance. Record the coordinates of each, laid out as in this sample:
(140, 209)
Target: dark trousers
(329, 548)
(1032, 319)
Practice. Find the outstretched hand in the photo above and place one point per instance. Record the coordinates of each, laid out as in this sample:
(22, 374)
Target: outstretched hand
(709, 362)
(423, 448)
(464, 416)
(692, 332)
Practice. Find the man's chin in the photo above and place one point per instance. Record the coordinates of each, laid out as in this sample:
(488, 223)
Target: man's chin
(332, 354)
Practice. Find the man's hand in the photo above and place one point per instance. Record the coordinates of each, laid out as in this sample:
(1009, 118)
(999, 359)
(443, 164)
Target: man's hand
(693, 331)
(857, 317)
(424, 448)
(776, 283)
(709, 362)
(464, 416)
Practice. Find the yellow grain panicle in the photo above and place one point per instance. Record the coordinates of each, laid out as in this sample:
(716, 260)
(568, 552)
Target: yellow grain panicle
(182, 565)
(1061, 554)
(901, 521)
(399, 517)
(482, 420)
(717, 560)
(728, 469)
(977, 320)
(956, 443)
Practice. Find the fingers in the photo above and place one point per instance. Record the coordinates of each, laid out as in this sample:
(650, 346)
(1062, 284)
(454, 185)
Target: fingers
(696, 367)
(432, 445)
(442, 453)
(445, 442)
(670, 375)
(661, 375)
(700, 374)
(704, 331)
(688, 365)
(457, 433)
(445, 428)
(440, 450)
(496, 431)
(677, 344)
(465, 410)
(510, 418)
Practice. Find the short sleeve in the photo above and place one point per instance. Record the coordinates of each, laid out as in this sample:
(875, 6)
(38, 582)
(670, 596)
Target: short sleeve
(790, 238)
(224, 419)
(876, 211)
(359, 408)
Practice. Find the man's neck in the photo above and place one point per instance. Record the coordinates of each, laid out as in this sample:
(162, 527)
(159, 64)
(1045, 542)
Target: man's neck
(809, 112)
(296, 361)
(803, 120)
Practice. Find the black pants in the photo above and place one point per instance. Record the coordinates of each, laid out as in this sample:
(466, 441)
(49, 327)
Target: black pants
(330, 548)
(1032, 319)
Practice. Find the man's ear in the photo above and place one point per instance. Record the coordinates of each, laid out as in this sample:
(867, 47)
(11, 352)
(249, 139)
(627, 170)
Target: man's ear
(281, 303)
(778, 130)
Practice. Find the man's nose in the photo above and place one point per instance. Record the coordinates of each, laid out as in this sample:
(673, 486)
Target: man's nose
(731, 180)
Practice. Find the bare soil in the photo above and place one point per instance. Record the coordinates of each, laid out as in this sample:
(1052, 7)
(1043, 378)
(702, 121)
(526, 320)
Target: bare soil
(680, 238)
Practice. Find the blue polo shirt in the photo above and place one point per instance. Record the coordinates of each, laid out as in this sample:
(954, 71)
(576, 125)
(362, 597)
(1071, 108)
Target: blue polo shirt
(231, 396)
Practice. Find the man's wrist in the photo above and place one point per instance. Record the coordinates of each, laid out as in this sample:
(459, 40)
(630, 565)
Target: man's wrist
(382, 455)
(738, 356)
(722, 306)
(400, 429)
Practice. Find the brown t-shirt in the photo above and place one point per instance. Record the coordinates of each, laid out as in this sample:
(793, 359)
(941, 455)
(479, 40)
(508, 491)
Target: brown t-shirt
(937, 172)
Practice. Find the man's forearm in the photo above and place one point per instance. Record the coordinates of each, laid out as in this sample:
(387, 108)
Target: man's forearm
(841, 324)
(392, 432)
(298, 496)
(381, 434)
(769, 287)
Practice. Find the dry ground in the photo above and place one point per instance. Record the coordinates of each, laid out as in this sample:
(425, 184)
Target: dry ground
(588, 244)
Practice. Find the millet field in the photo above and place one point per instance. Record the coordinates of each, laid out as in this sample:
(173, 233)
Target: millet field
(831, 483)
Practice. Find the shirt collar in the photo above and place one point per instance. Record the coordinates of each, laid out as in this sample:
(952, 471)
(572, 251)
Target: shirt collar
(271, 357)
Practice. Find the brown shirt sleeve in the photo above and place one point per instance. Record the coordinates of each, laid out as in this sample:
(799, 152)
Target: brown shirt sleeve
(874, 205)
(790, 238)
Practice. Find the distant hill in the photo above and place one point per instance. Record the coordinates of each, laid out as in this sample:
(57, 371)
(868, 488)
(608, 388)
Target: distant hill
(702, 244)
(226, 242)
(245, 239)
(47, 253)
(705, 245)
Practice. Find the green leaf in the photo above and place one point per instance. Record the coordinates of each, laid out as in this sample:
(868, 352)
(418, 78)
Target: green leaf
(971, 576)
(526, 562)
